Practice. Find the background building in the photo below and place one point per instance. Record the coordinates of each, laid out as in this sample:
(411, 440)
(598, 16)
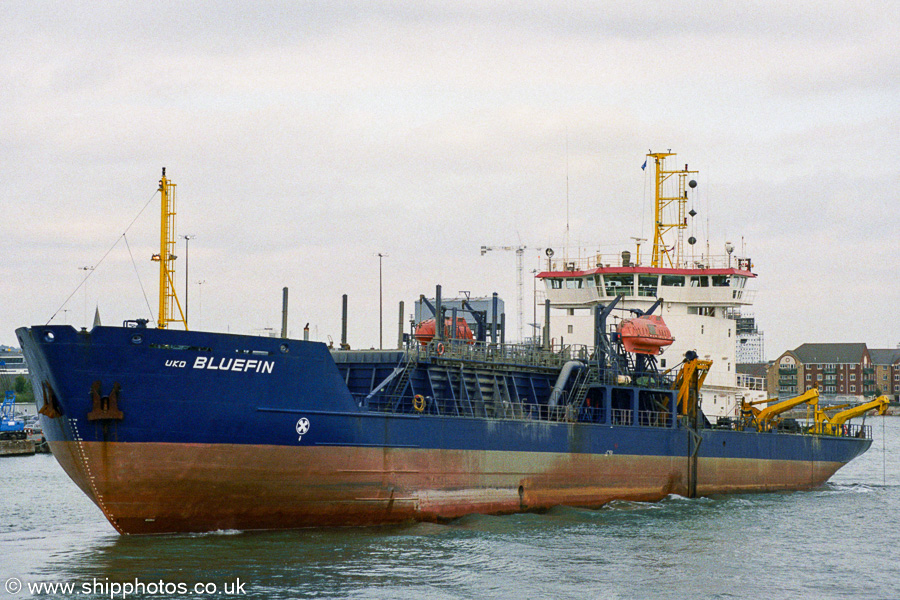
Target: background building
(750, 348)
(844, 372)
(887, 371)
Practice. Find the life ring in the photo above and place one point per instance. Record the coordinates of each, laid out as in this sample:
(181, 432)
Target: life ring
(440, 348)
(419, 403)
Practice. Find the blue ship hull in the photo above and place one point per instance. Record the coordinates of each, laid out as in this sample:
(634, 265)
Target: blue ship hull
(189, 431)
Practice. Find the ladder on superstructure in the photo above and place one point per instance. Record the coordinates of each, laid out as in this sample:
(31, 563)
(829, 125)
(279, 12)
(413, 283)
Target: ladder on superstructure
(403, 378)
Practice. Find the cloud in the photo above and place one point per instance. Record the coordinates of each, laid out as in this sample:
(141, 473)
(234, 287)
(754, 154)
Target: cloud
(305, 138)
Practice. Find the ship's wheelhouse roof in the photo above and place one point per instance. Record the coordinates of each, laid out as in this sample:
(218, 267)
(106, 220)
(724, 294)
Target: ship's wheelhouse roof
(644, 271)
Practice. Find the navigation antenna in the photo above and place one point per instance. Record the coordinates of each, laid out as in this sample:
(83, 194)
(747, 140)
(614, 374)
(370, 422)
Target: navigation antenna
(168, 300)
(670, 213)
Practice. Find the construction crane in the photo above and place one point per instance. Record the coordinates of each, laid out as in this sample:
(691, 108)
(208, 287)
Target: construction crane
(520, 280)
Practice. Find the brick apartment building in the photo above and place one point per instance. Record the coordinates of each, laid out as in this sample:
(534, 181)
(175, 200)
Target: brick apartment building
(887, 371)
(844, 372)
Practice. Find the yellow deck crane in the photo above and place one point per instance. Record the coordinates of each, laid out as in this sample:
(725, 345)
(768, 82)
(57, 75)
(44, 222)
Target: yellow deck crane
(835, 425)
(767, 418)
(688, 383)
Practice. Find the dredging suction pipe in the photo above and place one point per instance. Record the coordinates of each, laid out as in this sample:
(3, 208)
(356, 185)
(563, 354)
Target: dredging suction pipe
(561, 381)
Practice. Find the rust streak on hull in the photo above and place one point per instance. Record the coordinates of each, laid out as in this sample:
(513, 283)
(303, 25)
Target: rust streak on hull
(159, 488)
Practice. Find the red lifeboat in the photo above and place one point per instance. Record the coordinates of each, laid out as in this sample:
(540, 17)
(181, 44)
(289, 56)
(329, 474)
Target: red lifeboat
(425, 331)
(645, 335)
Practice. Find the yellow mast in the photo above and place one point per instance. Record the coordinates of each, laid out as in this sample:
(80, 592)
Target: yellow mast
(669, 213)
(168, 300)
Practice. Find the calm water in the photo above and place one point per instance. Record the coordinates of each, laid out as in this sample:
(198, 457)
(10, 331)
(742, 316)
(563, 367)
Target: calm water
(840, 541)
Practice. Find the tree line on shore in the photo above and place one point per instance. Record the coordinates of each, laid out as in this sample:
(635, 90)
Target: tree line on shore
(21, 385)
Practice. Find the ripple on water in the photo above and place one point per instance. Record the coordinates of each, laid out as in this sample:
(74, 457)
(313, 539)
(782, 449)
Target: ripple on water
(830, 542)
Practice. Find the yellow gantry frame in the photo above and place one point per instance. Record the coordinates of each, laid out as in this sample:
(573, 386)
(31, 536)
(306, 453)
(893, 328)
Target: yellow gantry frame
(664, 255)
(168, 300)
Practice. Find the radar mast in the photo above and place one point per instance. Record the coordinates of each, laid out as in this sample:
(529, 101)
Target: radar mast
(670, 213)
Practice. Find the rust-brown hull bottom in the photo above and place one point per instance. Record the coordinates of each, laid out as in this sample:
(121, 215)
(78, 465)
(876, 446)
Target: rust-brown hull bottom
(147, 488)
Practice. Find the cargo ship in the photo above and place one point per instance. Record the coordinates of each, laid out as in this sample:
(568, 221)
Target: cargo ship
(170, 430)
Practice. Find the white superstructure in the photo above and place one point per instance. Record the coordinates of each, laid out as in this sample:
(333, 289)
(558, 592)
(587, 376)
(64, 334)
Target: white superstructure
(701, 296)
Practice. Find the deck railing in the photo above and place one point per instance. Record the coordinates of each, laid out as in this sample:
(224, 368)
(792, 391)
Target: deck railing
(497, 354)
(592, 260)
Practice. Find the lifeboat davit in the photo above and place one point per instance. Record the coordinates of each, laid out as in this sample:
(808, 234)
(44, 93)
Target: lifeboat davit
(645, 335)
(425, 331)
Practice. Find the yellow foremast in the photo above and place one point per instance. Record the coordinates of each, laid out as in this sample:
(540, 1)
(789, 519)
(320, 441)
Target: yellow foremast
(669, 214)
(168, 300)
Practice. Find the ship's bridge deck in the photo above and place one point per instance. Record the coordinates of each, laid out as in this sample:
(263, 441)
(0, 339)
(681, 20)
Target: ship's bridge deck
(589, 281)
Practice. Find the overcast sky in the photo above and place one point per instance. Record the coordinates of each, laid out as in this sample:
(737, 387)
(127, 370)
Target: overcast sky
(307, 137)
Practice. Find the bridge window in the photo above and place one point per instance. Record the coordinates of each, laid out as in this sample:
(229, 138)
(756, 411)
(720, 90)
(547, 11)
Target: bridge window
(574, 283)
(619, 284)
(647, 285)
(556, 284)
(699, 281)
(721, 280)
(673, 280)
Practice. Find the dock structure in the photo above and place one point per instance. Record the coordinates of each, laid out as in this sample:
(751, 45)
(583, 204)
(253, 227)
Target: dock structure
(16, 448)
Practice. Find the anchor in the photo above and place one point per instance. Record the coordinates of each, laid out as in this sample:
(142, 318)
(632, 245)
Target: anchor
(50, 408)
(105, 407)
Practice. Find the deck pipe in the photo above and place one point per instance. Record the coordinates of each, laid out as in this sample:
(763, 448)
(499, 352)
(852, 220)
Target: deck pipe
(438, 315)
(547, 324)
(453, 324)
(344, 345)
(502, 328)
(400, 328)
(494, 318)
(561, 381)
(284, 310)
(306, 333)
